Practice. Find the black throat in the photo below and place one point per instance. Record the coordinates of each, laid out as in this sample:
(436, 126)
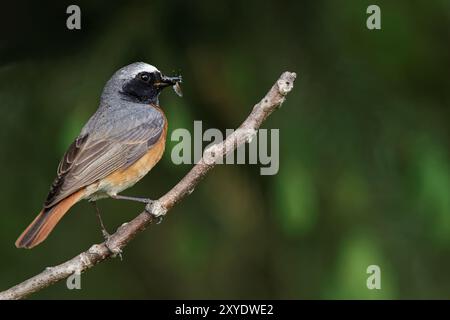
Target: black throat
(137, 91)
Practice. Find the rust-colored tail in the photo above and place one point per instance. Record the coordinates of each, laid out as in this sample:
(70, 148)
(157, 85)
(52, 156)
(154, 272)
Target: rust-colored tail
(46, 220)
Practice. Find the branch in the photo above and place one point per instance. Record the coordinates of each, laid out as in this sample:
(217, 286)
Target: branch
(126, 232)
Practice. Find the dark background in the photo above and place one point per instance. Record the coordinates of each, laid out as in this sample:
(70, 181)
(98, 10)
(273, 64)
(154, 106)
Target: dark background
(364, 146)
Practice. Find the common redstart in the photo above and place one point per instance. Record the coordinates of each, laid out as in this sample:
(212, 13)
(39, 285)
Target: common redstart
(117, 147)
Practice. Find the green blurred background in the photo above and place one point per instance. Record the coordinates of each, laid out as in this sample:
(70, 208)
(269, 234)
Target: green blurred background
(364, 146)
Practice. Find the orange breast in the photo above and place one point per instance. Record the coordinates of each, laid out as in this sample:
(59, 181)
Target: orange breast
(125, 178)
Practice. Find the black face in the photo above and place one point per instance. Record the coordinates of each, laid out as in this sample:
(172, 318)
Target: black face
(145, 87)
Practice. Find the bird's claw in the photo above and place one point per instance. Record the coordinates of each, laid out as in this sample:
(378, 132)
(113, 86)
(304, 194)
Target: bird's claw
(156, 210)
(159, 219)
(115, 252)
(149, 207)
(105, 234)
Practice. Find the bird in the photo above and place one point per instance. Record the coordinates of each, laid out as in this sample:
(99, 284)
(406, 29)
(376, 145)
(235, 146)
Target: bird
(122, 141)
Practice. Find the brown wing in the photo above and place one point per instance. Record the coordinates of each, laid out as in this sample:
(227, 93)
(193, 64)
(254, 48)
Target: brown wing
(88, 159)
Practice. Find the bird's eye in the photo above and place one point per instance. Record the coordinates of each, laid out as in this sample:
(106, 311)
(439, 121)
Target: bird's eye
(145, 77)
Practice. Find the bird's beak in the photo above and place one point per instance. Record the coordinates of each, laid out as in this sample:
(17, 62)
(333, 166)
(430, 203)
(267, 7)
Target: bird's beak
(168, 81)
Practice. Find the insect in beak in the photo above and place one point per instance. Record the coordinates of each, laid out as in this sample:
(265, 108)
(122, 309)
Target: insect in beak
(177, 88)
(171, 81)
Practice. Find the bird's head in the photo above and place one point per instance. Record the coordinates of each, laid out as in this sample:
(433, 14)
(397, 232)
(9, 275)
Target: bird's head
(139, 82)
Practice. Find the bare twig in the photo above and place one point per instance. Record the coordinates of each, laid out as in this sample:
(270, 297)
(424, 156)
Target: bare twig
(125, 233)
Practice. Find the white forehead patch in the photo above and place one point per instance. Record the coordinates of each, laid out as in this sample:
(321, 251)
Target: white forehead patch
(133, 69)
(145, 67)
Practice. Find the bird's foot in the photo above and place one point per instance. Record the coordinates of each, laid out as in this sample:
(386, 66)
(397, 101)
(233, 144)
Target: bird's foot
(156, 210)
(105, 234)
(115, 252)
